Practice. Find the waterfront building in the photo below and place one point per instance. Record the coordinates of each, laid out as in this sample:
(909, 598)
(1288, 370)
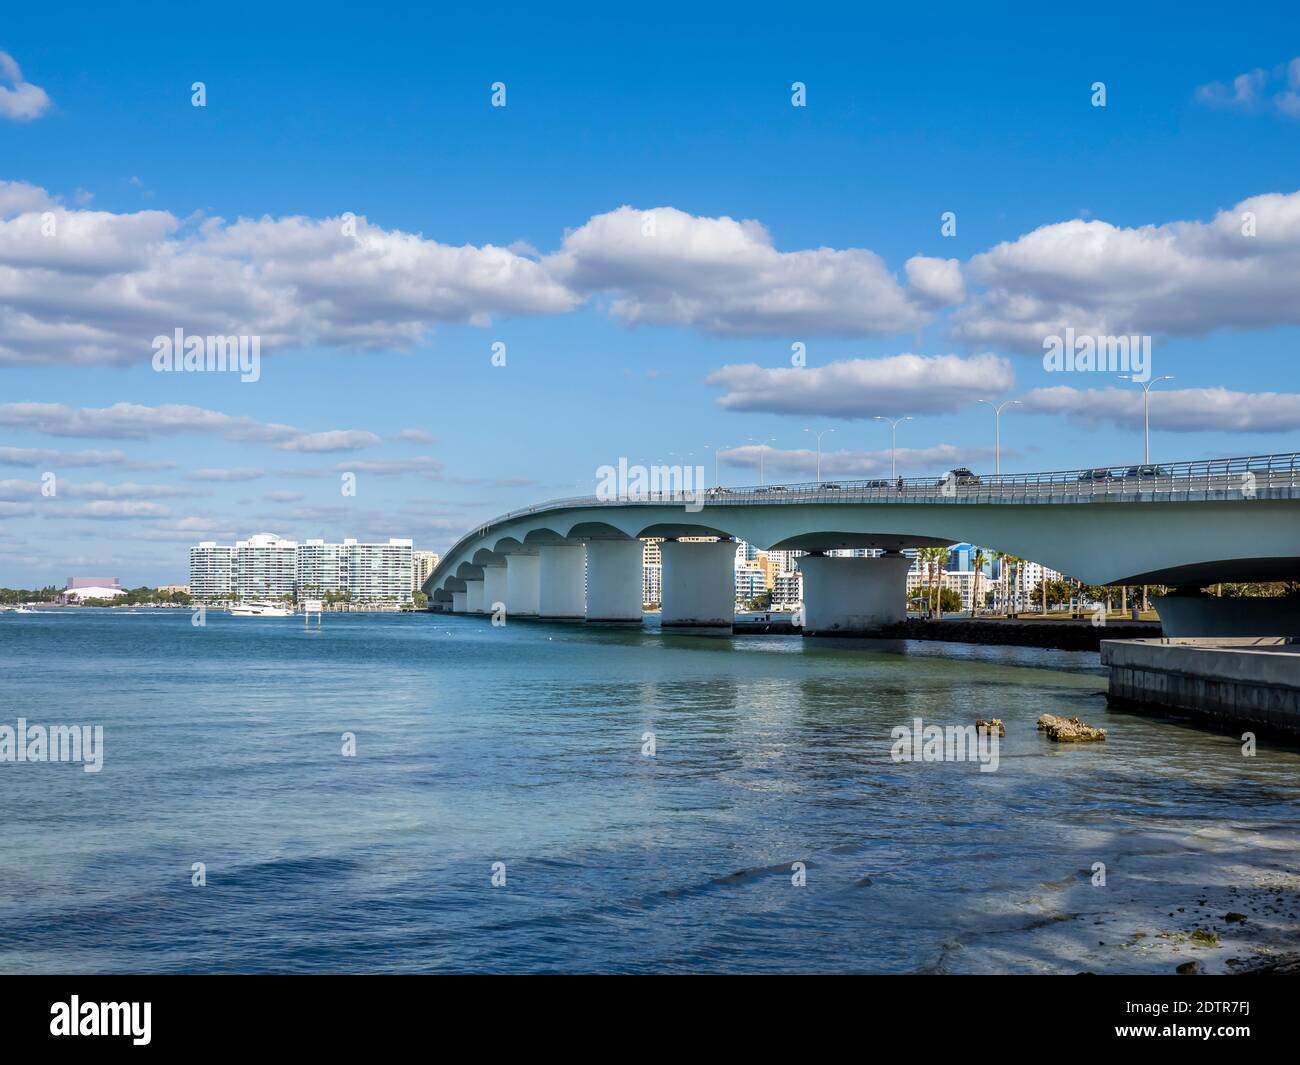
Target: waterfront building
(751, 582)
(267, 566)
(211, 570)
(264, 566)
(92, 588)
(787, 591)
(423, 563)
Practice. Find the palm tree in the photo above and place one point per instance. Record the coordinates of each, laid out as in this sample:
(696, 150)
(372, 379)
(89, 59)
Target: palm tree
(975, 592)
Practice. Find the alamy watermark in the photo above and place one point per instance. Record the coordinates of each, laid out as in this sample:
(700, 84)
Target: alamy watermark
(920, 742)
(53, 743)
(215, 354)
(1099, 354)
(628, 483)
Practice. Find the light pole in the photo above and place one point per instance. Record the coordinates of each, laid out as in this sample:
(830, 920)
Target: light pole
(714, 448)
(1146, 411)
(819, 448)
(762, 449)
(997, 429)
(893, 437)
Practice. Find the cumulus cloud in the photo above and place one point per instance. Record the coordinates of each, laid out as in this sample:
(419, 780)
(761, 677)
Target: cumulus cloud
(1255, 90)
(935, 282)
(134, 421)
(850, 464)
(1241, 270)
(1187, 410)
(94, 287)
(667, 267)
(20, 100)
(862, 388)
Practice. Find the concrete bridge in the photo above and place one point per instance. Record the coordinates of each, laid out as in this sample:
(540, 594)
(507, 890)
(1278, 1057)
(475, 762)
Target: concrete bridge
(1188, 524)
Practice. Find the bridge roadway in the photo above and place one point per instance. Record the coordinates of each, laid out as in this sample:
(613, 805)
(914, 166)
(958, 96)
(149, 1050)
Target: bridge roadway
(1187, 524)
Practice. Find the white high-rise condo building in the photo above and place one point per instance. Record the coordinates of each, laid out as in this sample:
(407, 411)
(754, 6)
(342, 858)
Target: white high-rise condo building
(210, 571)
(264, 566)
(269, 567)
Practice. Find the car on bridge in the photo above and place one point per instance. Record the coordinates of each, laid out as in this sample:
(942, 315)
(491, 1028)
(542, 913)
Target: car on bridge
(961, 477)
(1146, 471)
(1098, 474)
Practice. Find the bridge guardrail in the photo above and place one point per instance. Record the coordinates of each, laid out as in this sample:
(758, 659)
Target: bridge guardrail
(1244, 477)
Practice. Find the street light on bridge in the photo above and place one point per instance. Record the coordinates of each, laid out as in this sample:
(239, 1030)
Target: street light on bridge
(893, 436)
(762, 449)
(1146, 410)
(997, 429)
(819, 448)
(715, 448)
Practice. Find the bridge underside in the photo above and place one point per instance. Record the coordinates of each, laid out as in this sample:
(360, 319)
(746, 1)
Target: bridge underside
(1221, 571)
(585, 562)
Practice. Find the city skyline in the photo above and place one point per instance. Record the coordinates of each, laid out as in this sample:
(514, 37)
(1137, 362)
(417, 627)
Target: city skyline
(458, 348)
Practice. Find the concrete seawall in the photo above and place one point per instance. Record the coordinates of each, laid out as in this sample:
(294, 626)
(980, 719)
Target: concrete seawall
(1060, 635)
(1253, 682)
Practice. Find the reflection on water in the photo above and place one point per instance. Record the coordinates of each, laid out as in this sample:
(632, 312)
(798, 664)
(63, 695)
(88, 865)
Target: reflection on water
(523, 744)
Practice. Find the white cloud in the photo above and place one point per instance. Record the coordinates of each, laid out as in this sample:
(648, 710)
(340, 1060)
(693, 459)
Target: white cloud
(856, 464)
(101, 286)
(394, 467)
(135, 421)
(48, 457)
(416, 436)
(724, 276)
(20, 100)
(1176, 279)
(1250, 91)
(937, 282)
(116, 510)
(225, 473)
(1185, 410)
(863, 388)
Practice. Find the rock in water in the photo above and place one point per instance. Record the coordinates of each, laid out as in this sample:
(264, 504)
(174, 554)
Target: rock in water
(1068, 730)
(990, 726)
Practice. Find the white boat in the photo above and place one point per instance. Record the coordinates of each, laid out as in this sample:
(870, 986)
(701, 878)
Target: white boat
(261, 608)
(23, 610)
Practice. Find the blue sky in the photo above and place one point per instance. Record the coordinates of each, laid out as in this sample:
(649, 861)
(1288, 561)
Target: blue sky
(676, 113)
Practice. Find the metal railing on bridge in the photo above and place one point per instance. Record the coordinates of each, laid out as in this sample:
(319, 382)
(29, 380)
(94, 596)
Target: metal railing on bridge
(1244, 478)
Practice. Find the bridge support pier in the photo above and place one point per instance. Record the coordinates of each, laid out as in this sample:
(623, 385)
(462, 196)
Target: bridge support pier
(523, 586)
(853, 596)
(494, 587)
(473, 595)
(458, 602)
(561, 579)
(699, 587)
(614, 582)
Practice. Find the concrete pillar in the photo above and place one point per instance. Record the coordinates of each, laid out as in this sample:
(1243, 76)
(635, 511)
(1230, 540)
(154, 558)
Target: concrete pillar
(699, 586)
(562, 594)
(473, 596)
(522, 586)
(853, 596)
(614, 581)
(494, 587)
(458, 603)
